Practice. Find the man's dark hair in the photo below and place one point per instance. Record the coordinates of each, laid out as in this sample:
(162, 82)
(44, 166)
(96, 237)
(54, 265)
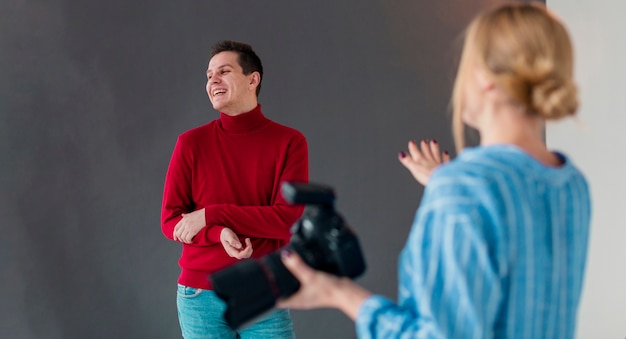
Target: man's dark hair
(248, 60)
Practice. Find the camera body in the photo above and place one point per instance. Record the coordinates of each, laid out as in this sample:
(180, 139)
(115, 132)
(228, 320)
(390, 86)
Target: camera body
(321, 237)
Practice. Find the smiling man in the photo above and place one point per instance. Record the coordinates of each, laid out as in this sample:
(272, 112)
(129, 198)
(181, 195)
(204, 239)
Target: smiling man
(222, 198)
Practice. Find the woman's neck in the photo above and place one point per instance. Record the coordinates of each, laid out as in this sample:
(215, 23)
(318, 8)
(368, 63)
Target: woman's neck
(510, 125)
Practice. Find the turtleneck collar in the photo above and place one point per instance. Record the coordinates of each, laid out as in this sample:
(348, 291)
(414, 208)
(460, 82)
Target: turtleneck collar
(244, 122)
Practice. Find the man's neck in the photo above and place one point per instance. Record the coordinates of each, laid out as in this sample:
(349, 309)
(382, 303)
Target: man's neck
(241, 109)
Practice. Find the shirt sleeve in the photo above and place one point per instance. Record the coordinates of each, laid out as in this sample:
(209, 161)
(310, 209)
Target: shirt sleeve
(273, 221)
(449, 281)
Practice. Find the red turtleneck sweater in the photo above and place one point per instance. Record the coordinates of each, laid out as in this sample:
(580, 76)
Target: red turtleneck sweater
(233, 167)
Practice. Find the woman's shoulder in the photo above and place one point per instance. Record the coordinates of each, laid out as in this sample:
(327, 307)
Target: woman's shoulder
(495, 160)
(476, 171)
(472, 164)
(500, 168)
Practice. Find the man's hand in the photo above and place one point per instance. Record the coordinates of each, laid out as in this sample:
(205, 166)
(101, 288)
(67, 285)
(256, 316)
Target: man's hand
(233, 246)
(189, 226)
(421, 163)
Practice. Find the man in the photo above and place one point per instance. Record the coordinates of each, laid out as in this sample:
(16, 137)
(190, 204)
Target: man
(222, 198)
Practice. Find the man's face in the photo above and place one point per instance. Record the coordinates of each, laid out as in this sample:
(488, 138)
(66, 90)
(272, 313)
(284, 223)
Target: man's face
(229, 90)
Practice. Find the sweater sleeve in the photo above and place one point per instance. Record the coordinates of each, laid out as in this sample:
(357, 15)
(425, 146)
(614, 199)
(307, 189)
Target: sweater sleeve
(273, 221)
(177, 195)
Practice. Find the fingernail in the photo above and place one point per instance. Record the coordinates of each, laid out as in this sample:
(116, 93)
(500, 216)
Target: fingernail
(285, 253)
(425, 141)
(401, 155)
(445, 152)
(434, 141)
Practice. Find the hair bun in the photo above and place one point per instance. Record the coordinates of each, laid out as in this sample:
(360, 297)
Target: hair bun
(553, 98)
(548, 94)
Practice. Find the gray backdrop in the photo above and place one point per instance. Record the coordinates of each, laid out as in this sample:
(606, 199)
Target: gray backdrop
(94, 93)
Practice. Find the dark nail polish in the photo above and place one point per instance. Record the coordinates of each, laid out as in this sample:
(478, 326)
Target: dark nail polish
(285, 253)
(445, 152)
(434, 141)
(401, 155)
(425, 141)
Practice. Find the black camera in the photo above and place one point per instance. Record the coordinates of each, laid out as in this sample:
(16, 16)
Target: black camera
(321, 237)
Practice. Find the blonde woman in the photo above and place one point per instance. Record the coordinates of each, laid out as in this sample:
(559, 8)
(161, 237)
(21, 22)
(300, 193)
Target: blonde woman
(499, 242)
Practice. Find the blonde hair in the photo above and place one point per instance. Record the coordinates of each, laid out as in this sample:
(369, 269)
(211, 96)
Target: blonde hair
(528, 54)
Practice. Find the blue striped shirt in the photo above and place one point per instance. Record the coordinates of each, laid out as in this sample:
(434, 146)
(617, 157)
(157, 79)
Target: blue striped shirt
(497, 250)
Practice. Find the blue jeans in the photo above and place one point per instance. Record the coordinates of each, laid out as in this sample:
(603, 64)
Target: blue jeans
(200, 317)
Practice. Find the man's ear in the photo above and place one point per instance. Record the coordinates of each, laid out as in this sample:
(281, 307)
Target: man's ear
(255, 80)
